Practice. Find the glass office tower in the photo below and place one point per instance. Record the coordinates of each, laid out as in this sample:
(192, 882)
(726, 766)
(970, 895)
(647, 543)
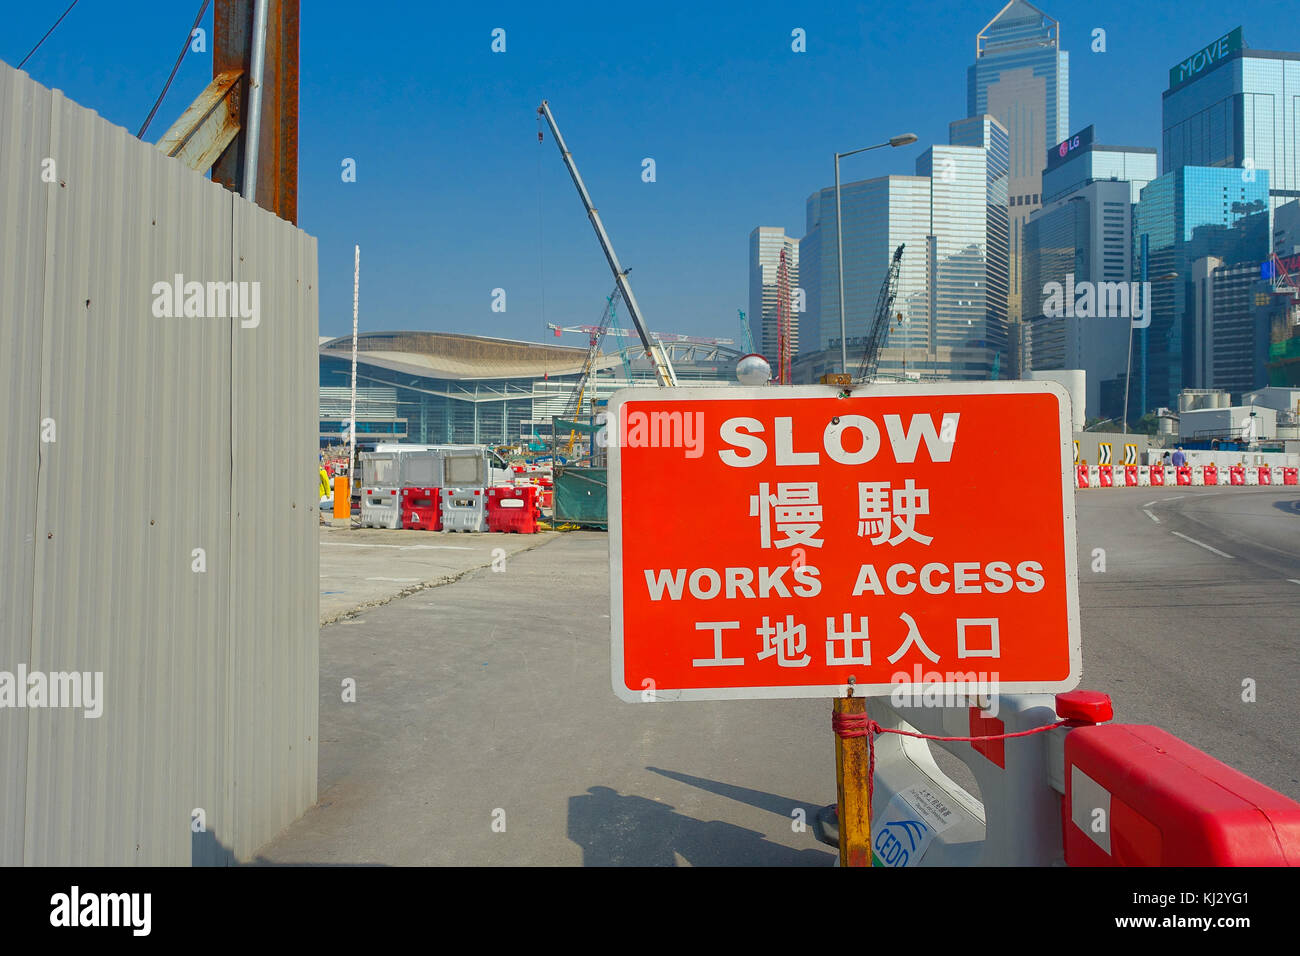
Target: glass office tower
(1231, 106)
(765, 246)
(1077, 161)
(1022, 77)
(968, 311)
(1185, 215)
(878, 215)
(1084, 231)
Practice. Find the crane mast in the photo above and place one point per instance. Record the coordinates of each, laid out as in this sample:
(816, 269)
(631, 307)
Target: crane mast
(665, 374)
(783, 345)
(880, 322)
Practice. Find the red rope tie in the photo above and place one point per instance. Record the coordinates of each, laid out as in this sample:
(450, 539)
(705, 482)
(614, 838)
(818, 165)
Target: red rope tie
(861, 725)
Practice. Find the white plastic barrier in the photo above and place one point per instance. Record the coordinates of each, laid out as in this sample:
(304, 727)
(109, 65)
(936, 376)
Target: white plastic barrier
(1018, 822)
(464, 509)
(380, 508)
(1198, 475)
(1094, 477)
(1252, 475)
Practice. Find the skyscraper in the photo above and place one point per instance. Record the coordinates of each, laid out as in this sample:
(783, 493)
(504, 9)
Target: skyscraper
(1231, 106)
(1083, 234)
(949, 316)
(765, 246)
(1185, 215)
(1022, 77)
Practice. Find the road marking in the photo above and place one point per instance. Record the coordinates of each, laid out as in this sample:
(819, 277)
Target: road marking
(1293, 581)
(399, 547)
(1201, 544)
(1148, 504)
(1151, 516)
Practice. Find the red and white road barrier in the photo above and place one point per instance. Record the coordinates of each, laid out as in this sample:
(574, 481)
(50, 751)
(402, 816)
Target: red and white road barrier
(1139, 796)
(1092, 794)
(1160, 475)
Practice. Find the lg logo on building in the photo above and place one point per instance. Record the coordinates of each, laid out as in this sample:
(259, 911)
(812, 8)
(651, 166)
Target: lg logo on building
(1068, 145)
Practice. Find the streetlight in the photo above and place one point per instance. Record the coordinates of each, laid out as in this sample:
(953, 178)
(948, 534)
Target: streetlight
(1128, 369)
(906, 139)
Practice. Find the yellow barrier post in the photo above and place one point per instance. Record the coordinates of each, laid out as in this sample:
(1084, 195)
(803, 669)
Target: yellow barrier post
(342, 497)
(851, 767)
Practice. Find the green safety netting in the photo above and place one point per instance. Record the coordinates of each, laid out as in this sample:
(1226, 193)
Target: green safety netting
(581, 496)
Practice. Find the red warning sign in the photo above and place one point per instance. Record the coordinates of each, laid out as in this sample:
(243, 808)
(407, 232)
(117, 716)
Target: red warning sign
(788, 542)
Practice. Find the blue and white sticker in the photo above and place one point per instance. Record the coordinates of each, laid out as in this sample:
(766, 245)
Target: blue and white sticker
(903, 833)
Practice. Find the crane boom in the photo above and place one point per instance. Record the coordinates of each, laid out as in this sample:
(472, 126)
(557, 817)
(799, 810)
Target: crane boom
(880, 321)
(664, 371)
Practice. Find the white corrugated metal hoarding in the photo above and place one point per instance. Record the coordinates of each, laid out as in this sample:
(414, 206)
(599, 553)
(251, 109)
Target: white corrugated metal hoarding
(132, 441)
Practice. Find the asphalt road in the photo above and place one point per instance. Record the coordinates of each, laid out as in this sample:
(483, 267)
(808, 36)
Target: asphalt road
(487, 701)
(1201, 593)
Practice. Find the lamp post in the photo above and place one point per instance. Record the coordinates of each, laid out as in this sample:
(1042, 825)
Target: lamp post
(906, 139)
(1128, 368)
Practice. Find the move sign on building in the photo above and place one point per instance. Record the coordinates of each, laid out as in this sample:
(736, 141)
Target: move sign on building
(1204, 58)
(787, 542)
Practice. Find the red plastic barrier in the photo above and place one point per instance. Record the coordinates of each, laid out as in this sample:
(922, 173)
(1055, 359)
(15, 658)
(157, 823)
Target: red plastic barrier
(1183, 475)
(421, 509)
(1105, 477)
(1237, 475)
(1081, 476)
(1131, 476)
(1210, 474)
(1157, 473)
(1265, 475)
(514, 509)
(1291, 476)
(1139, 796)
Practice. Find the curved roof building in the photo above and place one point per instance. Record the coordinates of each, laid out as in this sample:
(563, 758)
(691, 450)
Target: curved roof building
(433, 387)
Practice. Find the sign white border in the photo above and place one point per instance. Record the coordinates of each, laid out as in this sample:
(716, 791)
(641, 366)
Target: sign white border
(614, 497)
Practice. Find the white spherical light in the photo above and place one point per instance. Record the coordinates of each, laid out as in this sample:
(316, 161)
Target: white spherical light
(753, 370)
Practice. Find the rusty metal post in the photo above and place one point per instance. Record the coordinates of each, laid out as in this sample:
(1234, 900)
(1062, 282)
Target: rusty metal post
(851, 769)
(277, 153)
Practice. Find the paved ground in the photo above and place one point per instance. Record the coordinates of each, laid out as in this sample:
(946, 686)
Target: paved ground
(493, 694)
(364, 567)
(1172, 629)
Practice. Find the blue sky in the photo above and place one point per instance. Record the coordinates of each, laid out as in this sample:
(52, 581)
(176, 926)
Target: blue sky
(454, 196)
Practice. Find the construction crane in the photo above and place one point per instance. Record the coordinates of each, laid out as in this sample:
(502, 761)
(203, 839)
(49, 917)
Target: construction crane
(880, 321)
(628, 333)
(748, 335)
(595, 336)
(665, 374)
(783, 321)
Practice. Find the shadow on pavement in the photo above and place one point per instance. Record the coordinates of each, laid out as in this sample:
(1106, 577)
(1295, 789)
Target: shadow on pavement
(781, 806)
(618, 830)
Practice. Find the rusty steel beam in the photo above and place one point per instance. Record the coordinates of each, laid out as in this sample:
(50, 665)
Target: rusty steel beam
(277, 161)
(206, 128)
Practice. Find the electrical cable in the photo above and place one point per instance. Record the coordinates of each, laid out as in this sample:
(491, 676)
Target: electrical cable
(189, 37)
(47, 33)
